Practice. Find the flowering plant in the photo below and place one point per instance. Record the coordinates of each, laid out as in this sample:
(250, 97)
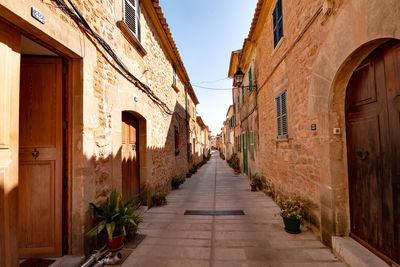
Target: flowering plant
(293, 207)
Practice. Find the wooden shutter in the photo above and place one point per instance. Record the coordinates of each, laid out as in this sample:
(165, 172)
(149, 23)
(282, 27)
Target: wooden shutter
(250, 81)
(174, 75)
(278, 22)
(252, 144)
(281, 110)
(284, 114)
(132, 16)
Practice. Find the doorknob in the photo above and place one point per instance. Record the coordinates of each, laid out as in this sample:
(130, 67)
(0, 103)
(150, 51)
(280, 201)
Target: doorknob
(35, 153)
(363, 155)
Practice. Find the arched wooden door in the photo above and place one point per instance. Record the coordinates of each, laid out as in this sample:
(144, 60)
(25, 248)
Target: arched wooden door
(373, 151)
(130, 157)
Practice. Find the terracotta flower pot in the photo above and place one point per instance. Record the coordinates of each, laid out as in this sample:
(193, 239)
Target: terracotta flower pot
(188, 175)
(116, 243)
(292, 225)
(237, 171)
(253, 188)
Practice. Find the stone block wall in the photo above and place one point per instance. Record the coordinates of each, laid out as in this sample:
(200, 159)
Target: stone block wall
(101, 92)
(313, 62)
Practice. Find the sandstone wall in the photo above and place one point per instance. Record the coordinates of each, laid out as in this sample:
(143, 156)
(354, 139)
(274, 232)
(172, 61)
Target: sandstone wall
(101, 92)
(313, 62)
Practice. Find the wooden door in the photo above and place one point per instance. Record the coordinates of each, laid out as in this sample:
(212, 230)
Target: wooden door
(130, 157)
(373, 142)
(10, 43)
(40, 158)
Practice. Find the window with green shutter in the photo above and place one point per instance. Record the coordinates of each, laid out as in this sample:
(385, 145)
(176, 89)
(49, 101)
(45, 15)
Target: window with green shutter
(250, 81)
(252, 144)
(242, 94)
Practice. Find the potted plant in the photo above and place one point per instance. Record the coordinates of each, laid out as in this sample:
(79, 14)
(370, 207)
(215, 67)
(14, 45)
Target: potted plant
(292, 211)
(159, 199)
(255, 183)
(234, 163)
(177, 181)
(193, 169)
(113, 216)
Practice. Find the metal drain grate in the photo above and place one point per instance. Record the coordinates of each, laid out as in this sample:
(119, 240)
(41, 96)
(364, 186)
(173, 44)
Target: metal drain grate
(214, 212)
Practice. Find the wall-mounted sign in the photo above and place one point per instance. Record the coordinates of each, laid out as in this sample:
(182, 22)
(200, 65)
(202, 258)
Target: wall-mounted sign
(37, 15)
(313, 127)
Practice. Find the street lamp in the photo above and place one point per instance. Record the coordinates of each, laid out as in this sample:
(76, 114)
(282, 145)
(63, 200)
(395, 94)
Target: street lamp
(238, 76)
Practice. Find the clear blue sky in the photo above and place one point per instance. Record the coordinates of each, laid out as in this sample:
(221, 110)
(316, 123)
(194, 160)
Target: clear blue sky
(206, 32)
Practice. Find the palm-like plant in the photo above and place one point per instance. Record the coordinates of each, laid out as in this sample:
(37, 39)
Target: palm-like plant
(113, 215)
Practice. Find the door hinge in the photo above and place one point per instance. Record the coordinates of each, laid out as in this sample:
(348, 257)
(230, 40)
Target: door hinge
(65, 125)
(65, 181)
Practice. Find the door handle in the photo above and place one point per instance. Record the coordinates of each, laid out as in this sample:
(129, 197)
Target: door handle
(134, 147)
(35, 153)
(363, 155)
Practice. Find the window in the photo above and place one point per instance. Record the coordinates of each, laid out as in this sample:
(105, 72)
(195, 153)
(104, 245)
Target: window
(132, 16)
(242, 94)
(250, 81)
(278, 22)
(173, 75)
(281, 109)
(252, 144)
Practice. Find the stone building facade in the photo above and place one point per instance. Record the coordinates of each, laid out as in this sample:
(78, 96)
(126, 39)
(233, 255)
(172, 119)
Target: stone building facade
(230, 123)
(123, 97)
(304, 56)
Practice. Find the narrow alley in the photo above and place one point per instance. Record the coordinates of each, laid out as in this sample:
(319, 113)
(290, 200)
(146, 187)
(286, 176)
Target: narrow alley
(255, 239)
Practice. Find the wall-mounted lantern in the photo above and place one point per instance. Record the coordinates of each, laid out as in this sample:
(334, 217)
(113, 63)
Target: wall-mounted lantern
(238, 76)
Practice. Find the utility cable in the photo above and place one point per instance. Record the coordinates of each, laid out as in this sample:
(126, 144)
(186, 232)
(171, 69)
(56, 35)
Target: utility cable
(214, 81)
(77, 16)
(212, 88)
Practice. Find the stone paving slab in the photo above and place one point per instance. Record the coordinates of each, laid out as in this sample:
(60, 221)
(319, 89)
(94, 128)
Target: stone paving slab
(254, 239)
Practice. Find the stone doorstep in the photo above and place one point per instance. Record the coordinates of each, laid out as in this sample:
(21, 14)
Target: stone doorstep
(68, 260)
(354, 254)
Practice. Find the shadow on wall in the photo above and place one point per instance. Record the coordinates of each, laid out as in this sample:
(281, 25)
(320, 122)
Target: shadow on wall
(157, 166)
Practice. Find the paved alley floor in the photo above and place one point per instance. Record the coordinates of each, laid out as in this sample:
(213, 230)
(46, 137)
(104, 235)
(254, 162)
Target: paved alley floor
(254, 239)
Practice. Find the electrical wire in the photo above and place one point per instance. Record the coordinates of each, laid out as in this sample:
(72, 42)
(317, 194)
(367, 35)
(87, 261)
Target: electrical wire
(212, 88)
(77, 16)
(214, 81)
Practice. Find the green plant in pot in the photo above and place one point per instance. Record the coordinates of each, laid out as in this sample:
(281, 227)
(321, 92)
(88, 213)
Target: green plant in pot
(193, 169)
(256, 183)
(158, 199)
(113, 217)
(293, 210)
(177, 181)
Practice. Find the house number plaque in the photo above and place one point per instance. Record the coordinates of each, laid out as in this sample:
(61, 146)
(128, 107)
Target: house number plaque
(37, 15)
